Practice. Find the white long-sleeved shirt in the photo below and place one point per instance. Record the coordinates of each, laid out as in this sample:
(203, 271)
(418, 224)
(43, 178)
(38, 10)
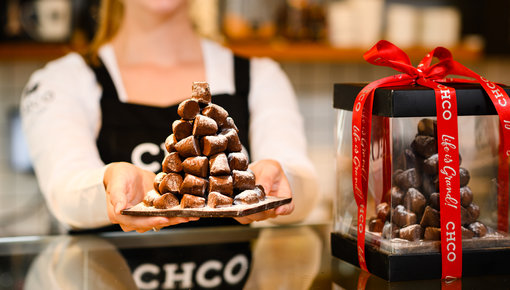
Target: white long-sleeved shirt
(61, 117)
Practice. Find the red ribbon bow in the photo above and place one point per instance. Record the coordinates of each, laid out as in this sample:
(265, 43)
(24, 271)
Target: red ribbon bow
(385, 53)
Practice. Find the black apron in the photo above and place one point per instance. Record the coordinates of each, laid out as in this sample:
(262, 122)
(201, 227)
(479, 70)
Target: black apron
(136, 133)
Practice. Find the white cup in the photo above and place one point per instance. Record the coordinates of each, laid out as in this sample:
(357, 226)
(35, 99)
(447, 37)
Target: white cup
(402, 25)
(441, 26)
(48, 20)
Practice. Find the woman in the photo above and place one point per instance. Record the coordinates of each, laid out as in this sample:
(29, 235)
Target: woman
(95, 123)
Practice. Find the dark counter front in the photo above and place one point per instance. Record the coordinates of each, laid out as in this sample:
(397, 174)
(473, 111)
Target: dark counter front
(236, 257)
(285, 257)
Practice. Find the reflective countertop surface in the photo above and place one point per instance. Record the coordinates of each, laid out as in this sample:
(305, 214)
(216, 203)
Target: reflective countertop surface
(283, 257)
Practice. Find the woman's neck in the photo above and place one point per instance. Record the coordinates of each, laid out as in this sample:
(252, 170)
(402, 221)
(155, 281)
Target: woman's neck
(162, 40)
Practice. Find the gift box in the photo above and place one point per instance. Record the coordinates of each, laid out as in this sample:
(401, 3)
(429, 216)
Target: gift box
(406, 208)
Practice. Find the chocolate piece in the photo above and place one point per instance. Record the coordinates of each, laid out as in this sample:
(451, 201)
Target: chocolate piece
(478, 229)
(428, 186)
(194, 185)
(238, 161)
(383, 211)
(427, 127)
(204, 126)
(229, 124)
(248, 196)
(411, 233)
(170, 143)
(434, 200)
(218, 165)
(216, 199)
(221, 184)
(414, 201)
(466, 234)
(390, 231)
(188, 147)
(188, 109)
(430, 164)
(410, 159)
(197, 165)
(401, 217)
(397, 196)
(436, 182)
(407, 179)
(375, 225)
(192, 201)
(430, 218)
(149, 198)
(167, 200)
(172, 163)
(213, 144)
(432, 234)
(200, 91)
(425, 146)
(158, 179)
(216, 113)
(262, 192)
(464, 176)
(234, 143)
(171, 183)
(396, 173)
(243, 180)
(474, 211)
(181, 129)
(465, 216)
(466, 196)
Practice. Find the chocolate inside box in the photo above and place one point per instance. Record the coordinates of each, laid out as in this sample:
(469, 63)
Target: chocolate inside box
(403, 234)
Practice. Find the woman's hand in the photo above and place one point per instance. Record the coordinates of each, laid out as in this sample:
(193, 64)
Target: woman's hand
(270, 175)
(126, 186)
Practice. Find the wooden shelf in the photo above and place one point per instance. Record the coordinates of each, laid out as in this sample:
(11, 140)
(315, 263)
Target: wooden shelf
(31, 51)
(285, 52)
(313, 52)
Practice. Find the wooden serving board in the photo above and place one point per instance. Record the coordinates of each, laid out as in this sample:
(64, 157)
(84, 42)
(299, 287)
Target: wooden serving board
(231, 211)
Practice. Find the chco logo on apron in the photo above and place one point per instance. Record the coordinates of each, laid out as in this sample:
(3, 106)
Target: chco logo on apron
(147, 148)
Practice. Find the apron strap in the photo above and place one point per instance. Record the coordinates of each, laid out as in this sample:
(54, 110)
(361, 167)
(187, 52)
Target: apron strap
(105, 80)
(242, 75)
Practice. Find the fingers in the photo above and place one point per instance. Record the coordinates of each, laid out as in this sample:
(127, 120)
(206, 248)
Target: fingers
(268, 174)
(257, 217)
(125, 186)
(143, 224)
(271, 176)
(285, 209)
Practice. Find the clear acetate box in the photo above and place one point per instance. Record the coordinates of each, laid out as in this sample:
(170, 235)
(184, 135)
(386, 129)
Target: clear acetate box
(403, 213)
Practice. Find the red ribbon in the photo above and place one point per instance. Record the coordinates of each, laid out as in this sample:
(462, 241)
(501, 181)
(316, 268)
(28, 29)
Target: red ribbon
(385, 53)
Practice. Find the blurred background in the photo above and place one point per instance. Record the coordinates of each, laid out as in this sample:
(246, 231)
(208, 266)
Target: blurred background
(317, 42)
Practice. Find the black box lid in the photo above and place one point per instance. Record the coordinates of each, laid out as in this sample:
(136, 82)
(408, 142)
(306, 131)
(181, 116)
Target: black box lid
(416, 101)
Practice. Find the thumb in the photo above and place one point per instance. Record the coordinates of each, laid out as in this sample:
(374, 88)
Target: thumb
(117, 197)
(268, 177)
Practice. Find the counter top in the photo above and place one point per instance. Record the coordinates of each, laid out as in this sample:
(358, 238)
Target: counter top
(283, 257)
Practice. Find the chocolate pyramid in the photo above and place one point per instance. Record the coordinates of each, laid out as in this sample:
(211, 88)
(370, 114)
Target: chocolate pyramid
(204, 166)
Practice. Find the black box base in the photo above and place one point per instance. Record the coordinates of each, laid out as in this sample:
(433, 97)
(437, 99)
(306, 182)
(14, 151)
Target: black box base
(419, 266)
